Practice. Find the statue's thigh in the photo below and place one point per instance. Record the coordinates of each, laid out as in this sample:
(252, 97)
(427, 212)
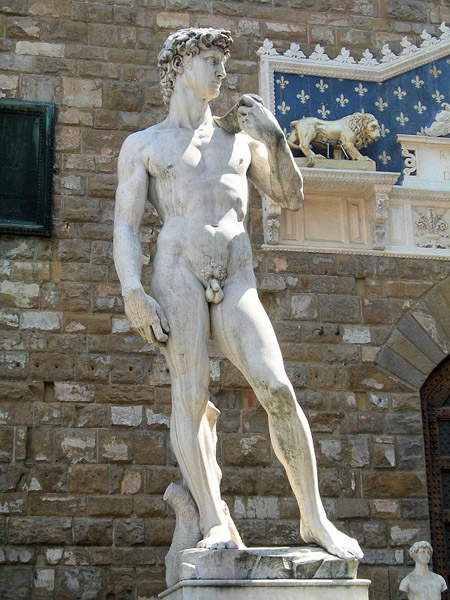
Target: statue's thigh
(245, 335)
(182, 298)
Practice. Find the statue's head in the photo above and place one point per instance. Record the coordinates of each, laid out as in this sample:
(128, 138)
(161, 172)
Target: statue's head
(180, 48)
(421, 552)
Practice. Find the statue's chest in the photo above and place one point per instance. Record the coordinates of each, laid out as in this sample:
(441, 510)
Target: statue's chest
(185, 154)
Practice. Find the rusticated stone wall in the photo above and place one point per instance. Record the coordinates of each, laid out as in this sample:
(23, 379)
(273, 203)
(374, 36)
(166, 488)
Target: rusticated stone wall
(84, 406)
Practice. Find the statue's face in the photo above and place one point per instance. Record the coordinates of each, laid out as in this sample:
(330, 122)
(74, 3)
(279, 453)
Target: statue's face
(373, 130)
(203, 73)
(423, 556)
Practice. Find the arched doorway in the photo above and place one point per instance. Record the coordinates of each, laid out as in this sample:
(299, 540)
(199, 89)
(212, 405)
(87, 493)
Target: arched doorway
(435, 394)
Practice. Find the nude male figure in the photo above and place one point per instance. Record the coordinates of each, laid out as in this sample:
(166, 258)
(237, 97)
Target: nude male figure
(195, 175)
(421, 583)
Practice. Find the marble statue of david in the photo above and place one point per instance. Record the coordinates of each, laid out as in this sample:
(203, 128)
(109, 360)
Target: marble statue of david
(195, 173)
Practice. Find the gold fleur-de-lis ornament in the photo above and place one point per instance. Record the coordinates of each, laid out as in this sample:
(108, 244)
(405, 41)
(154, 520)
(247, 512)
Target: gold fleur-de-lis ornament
(399, 93)
(321, 86)
(283, 108)
(384, 157)
(381, 104)
(402, 119)
(303, 97)
(341, 100)
(416, 81)
(323, 111)
(360, 89)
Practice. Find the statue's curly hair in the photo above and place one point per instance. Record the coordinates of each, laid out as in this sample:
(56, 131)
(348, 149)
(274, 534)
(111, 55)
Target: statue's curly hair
(187, 42)
(417, 546)
(358, 124)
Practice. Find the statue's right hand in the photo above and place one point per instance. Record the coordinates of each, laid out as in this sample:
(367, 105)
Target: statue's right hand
(146, 315)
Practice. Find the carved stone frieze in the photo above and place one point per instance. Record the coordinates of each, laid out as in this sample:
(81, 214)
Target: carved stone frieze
(431, 228)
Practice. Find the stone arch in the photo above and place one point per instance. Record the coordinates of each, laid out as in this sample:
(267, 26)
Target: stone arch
(421, 339)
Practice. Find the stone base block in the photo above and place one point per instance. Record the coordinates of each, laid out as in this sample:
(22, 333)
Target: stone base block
(337, 163)
(269, 589)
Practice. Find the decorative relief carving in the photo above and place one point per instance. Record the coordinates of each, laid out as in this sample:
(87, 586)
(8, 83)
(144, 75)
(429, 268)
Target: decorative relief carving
(410, 162)
(441, 124)
(431, 229)
(344, 135)
(294, 51)
(273, 224)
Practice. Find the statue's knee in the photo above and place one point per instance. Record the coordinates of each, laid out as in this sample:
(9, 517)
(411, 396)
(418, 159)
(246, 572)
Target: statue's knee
(279, 399)
(190, 401)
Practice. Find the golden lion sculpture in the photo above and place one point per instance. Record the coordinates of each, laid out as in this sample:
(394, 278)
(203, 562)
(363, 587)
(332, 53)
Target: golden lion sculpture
(349, 133)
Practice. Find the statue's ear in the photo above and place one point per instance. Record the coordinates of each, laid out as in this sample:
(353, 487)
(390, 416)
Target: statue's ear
(177, 64)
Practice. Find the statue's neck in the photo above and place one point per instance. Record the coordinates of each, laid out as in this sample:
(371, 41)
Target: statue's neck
(421, 569)
(187, 110)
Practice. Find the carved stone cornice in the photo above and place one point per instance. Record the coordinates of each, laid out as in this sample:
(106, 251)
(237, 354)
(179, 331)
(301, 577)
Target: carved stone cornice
(368, 68)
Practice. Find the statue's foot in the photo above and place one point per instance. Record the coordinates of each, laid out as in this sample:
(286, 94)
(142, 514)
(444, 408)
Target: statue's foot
(324, 534)
(217, 538)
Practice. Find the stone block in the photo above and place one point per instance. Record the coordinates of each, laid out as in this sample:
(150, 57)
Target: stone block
(246, 450)
(129, 532)
(42, 88)
(123, 96)
(127, 416)
(40, 49)
(74, 251)
(93, 532)
(386, 509)
(44, 581)
(352, 508)
(15, 583)
(415, 509)
(89, 479)
(81, 210)
(41, 320)
(115, 447)
(109, 506)
(47, 530)
(127, 370)
(111, 36)
(121, 583)
(402, 346)
(48, 478)
(159, 532)
(159, 478)
(76, 446)
(9, 85)
(340, 309)
(304, 307)
(394, 485)
(17, 293)
(150, 448)
(13, 365)
(131, 483)
(399, 367)
(93, 368)
(73, 583)
(73, 392)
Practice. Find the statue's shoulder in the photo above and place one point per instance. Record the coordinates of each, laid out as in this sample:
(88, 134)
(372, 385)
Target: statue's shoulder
(442, 582)
(138, 145)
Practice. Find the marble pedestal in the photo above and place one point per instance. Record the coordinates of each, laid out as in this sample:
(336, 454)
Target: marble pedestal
(265, 574)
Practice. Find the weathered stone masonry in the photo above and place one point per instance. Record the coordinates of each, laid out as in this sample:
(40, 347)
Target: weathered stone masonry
(85, 403)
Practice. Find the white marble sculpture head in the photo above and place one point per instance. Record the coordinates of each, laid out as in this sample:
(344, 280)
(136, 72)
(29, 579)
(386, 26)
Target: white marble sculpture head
(421, 552)
(181, 48)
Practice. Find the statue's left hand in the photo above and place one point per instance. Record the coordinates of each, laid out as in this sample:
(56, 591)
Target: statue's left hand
(257, 121)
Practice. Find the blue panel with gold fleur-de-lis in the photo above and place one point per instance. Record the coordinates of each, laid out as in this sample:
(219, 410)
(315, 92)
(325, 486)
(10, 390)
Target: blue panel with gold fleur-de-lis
(404, 104)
